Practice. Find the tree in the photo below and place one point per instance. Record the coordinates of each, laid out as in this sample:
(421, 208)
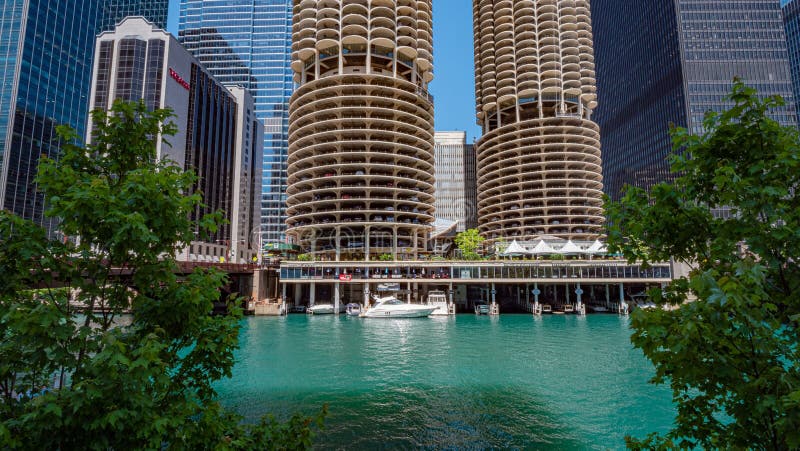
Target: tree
(469, 242)
(731, 356)
(95, 380)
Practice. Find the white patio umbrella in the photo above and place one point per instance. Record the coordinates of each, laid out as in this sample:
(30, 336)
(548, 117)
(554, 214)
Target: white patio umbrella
(570, 249)
(514, 249)
(542, 248)
(597, 248)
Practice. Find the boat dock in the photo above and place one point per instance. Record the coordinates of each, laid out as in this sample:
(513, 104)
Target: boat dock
(510, 285)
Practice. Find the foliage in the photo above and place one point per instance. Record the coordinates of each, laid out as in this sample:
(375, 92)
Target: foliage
(305, 257)
(97, 380)
(731, 357)
(469, 242)
(385, 257)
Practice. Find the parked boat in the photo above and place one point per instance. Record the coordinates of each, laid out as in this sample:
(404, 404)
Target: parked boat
(482, 309)
(546, 308)
(320, 309)
(569, 308)
(353, 309)
(599, 309)
(391, 307)
(438, 300)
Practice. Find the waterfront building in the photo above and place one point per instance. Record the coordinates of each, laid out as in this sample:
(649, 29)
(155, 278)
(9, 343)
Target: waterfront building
(46, 49)
(361, 148)
(452, 179)
(218, 137)
(663, 63)
(248, 43)
(791, 24)
(538, 160)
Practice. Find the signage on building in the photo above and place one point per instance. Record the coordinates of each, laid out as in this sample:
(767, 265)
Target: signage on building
(345, 277)
(178, 78)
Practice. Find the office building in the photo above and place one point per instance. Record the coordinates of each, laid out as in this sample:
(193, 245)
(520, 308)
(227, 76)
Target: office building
(668, 63)
(361, 148)
(248, 43)
(791, 24)
(471, 186)
(219, 136)
(539, 171)
(46, 52)
(452, 156)
(154, 10)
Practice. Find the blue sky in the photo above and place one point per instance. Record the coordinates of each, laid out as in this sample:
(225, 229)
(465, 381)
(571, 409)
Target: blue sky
(453, 86)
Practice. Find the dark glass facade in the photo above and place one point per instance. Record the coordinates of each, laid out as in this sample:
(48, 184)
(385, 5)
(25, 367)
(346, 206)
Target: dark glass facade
(45, 73)
(210, 143)
(154, 10)
(791, 24)
(248, 43)
(470, 186)
(669, 62)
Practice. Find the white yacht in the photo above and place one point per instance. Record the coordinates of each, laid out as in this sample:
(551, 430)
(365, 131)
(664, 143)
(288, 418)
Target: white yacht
(320, 309)
(391, 307)
(439, 300)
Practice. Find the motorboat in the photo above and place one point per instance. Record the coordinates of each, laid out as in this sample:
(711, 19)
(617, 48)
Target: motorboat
(439, 300)
(569, 308)
(599, 309)
(481, 309)
(320, 309)
(547, 308)
(391, 307)
(353, 309)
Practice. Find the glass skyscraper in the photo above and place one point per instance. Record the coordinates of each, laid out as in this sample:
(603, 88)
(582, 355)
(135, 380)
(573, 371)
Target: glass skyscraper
(46, 50)
(791, 23)
(248, 43)
(154, 11)
(669, 62)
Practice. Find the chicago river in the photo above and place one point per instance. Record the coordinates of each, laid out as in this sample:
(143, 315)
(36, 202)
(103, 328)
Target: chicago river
(464, 381)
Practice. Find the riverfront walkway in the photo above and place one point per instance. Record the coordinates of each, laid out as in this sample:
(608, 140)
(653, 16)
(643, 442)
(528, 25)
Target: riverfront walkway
(523, 283)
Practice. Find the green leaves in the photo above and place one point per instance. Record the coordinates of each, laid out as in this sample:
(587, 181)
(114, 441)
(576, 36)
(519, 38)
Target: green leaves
(95, 379)
(728, 342)
(469, 243)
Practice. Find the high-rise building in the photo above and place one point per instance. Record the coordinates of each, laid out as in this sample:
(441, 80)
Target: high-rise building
(669, 62)
(248, 43)
(452, 156)
(470, 187)
(46, 52)
(539, 157)
(219, 136)
(791, 24)
(361, 164)
(154, 10)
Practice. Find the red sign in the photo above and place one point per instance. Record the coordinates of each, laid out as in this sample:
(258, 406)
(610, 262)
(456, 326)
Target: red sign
(178, 78)
(345, 277)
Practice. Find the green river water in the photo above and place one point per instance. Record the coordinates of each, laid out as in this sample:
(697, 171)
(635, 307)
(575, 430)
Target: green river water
(463, 382)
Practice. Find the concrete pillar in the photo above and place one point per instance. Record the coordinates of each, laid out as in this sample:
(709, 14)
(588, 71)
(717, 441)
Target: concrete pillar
(312, 292)
(566, 291)
(366, 295)
(336, 298)
(283, 298)
(366, 243)
(621, 292)
(394, 243)
(408, 292)
(608, 296)
(494, 295)
(338, 243)
(579, 292)
(536, 293)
